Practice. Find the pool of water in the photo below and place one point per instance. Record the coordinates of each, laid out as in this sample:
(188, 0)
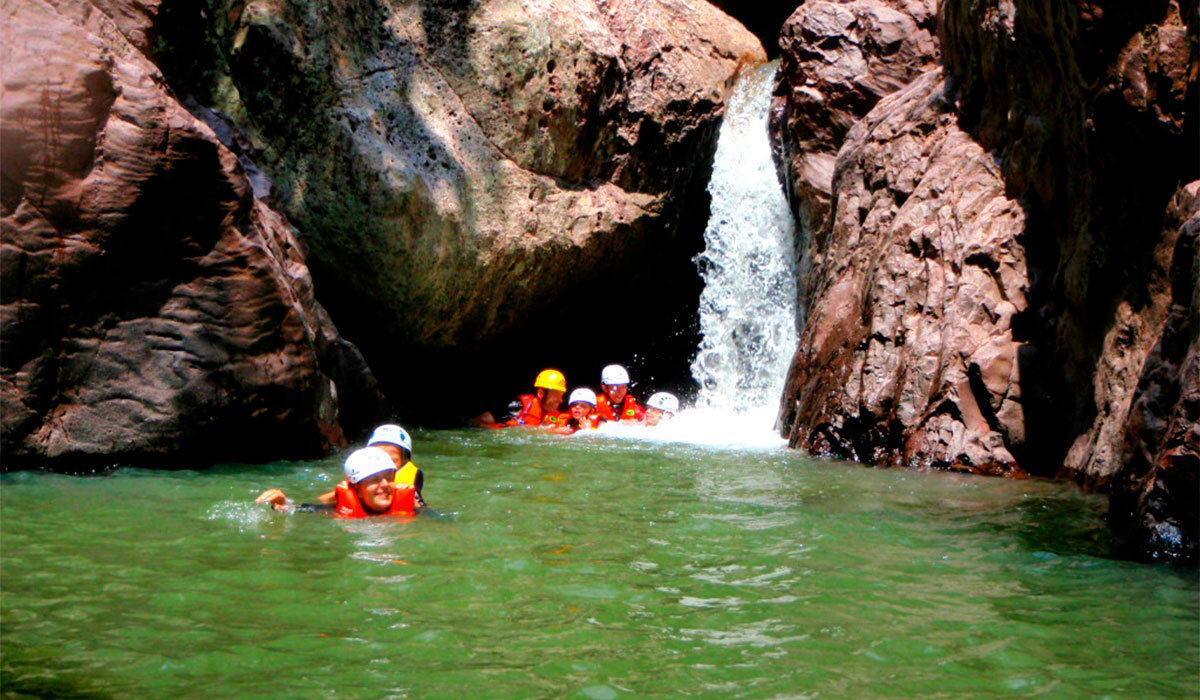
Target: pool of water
(591, 567)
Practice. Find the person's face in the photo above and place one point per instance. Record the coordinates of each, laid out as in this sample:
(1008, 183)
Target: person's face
(616, 392)
(580, 410)
(653, 416)
(551, 400)
(393, 451)
(376, 491)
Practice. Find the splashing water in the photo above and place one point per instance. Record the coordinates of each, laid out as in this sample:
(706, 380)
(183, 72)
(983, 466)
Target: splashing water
(748, 307)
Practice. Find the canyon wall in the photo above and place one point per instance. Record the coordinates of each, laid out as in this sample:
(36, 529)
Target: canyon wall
(153, 309)
(1003, 281)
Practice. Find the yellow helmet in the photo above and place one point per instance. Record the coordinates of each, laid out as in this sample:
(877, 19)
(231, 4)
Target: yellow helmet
(550, 379)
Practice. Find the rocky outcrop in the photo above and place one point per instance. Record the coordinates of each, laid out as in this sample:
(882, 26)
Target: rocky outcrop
(1017, 317)
(908, 355)
(153, 310)
(477, 179)
(840, 57)
(1095, 143)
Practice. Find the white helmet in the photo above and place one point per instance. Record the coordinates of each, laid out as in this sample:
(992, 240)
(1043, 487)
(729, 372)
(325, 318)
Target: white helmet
(613, 375)
(583, 394)
(392, 435)
(663, 401)
(367, 462)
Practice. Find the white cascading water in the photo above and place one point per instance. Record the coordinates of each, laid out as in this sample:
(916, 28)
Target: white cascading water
(748, 309)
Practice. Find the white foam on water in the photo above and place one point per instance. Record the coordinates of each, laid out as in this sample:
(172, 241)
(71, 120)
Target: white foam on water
(710, 427)
(245, 515)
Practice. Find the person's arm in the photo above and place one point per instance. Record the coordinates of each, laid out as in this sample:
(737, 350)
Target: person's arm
(500, 414)
(279, 501)
(276, 497)
(417, 484)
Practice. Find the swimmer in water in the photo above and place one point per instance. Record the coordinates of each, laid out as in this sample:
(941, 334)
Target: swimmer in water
(397, 443)
(581, 413)
(615, 403)
(660, 406)
(370, 489)
(531, 410)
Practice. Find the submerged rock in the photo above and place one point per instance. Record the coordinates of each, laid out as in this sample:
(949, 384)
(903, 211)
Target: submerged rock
(483, 180)
(153, 310)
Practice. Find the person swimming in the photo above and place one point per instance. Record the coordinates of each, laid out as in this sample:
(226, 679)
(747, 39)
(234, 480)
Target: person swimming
(530, 410)
(370, 489)
(659, 406)
(615, 403)
(396, 441)
(581, 412)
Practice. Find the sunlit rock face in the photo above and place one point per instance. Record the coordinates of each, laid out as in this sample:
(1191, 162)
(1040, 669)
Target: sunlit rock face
(908, 355)
(1026, 314)
(482, 185)
(839, 58)
(153, 310)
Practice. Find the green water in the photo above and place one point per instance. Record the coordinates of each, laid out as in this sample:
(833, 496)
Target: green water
(589, 568)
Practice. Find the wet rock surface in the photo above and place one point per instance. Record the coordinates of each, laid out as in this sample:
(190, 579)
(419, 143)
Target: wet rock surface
(477, 180)
(154, 311)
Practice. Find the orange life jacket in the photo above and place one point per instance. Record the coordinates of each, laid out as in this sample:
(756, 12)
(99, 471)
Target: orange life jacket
(562, 424)
(630, 410)
(530, 413)
(555, 420)
(349, 505)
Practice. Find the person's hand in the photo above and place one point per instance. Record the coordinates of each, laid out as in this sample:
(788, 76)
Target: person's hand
(275, 497)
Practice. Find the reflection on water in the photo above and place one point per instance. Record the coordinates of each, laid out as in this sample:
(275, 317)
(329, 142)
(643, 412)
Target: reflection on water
(599, 566)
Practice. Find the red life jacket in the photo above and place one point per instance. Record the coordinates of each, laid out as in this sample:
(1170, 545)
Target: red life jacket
(530, 413)
(630, 410)
(349, 505)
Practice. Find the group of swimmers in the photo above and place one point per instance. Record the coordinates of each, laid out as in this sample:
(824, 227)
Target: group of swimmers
(381, 478)
(585, 408)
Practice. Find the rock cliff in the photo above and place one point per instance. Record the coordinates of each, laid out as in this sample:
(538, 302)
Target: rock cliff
(489, 180)
(153, 309)
(839, 59)
(1002, 281)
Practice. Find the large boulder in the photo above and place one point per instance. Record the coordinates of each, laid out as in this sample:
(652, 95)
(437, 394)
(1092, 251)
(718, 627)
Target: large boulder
(153, 310)
(501, 180)
(1096, 138)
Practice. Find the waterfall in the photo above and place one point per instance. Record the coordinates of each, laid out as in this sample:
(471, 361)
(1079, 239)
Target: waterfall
(748, 306)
